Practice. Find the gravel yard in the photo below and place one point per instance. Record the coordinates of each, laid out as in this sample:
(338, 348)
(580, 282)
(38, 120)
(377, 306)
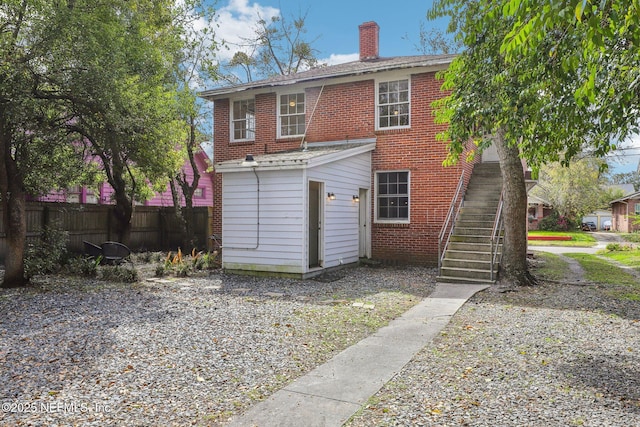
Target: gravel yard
(550, 355)
(187, 351)
(195, 351)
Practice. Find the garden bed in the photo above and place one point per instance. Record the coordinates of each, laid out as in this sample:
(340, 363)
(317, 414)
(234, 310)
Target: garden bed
(549, 238)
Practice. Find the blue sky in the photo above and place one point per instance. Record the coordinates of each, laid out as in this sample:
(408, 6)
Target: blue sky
(332, 27)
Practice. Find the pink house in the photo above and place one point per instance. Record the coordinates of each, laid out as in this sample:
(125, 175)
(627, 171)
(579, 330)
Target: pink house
(203, 195)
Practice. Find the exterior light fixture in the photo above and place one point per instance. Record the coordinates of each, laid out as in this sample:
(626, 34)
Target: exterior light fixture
(249, 161)
(331, 196)
(356, 199)
(292, 103)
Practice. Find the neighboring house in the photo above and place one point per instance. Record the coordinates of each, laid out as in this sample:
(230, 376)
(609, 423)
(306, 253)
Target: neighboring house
(537, 210)
(323, 167)
(203, 196)
(623, 213)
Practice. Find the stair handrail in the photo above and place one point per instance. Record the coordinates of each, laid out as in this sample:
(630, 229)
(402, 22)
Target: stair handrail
(449, 222)
(496, 235)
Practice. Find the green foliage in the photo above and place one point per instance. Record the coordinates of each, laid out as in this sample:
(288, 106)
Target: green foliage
(118, 273)
(49, 254)
(557, 222)
(617, 247)
(599, 43)
(575, 189)
(184, 265)
(85, 267)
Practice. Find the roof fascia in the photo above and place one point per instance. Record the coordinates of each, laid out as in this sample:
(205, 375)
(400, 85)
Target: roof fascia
(314, 81)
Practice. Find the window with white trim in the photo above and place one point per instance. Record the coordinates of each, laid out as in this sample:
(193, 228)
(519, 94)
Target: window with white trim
(243, 120)
(392, 104)
(291, 114)
(392, 196)
(637, 209)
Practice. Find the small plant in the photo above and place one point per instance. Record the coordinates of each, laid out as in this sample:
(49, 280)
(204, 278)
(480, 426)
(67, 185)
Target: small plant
(617, 247)
(116, 273)
(49, 254)
(160, 270)
(86, 267)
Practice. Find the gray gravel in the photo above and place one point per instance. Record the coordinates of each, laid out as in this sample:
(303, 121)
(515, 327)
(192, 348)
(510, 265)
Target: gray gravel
(550, 355)
(182, 351)
(195, 351)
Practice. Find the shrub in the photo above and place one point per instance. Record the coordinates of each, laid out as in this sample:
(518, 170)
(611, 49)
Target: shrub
(86, 267)
(49, 254)
(617, 247)
(116, 273)
(557, 222)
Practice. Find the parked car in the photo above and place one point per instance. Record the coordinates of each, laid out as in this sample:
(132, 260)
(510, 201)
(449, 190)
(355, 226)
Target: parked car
(606, 225)
(589, 226)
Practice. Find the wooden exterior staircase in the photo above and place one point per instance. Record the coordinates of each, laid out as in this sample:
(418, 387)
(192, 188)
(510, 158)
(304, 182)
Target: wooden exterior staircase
(471, 252)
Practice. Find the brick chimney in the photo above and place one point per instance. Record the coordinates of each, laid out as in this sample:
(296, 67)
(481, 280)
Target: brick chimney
(369, 37)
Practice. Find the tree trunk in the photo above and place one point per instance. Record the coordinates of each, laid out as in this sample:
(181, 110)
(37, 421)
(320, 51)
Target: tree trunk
(177, 208)
(13, 206)
(514, 270)
(13, 210)
(123, 211)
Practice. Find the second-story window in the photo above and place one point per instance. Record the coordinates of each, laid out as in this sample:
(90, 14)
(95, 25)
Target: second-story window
(392, 104)
(291, 114)
(244, 120)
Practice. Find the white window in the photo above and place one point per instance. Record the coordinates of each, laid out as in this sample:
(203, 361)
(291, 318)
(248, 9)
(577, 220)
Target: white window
(291, 114)
(198, 193)
(243, 120)
(637, 209)
(392, 196)
(392, 104)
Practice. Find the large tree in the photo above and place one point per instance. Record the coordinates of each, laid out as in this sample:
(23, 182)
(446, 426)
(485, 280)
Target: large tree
(544, 81)
(83, 72)
(574, 190)
(123, 95)
(278, 47)
(195, 68)
(35, 150)
(526, 109)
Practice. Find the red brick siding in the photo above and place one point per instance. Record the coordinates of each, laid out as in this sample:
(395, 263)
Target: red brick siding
(369, 40)
(347, 111)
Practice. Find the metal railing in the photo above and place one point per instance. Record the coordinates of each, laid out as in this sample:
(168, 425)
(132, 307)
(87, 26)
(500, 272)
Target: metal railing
(496, 236)
(449, 222)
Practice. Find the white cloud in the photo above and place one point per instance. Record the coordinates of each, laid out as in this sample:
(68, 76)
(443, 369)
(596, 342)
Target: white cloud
(337, 58)
(237, 21)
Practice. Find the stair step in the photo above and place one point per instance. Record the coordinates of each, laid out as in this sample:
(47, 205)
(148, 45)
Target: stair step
(461, 230)
(463, 280)
(469, 264)
(468, 255)
(470, 273)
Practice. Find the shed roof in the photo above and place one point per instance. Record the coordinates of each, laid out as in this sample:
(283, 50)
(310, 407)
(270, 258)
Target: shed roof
(314, 155)
(431, 62)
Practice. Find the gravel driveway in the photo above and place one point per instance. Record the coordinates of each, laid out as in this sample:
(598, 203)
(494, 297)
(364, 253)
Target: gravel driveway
(195, 351)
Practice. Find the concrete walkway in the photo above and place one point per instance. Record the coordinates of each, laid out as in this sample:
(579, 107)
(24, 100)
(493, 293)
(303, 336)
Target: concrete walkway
(330, 394)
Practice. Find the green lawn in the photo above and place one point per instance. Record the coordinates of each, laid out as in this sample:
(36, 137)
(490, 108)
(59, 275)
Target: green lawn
(619, 282)
(578, 239)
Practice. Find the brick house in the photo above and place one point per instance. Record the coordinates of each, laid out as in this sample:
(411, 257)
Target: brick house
(323, 167)
(623, 213)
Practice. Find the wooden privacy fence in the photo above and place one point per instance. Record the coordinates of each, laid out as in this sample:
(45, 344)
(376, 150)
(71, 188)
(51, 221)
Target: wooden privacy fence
(152, 228)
